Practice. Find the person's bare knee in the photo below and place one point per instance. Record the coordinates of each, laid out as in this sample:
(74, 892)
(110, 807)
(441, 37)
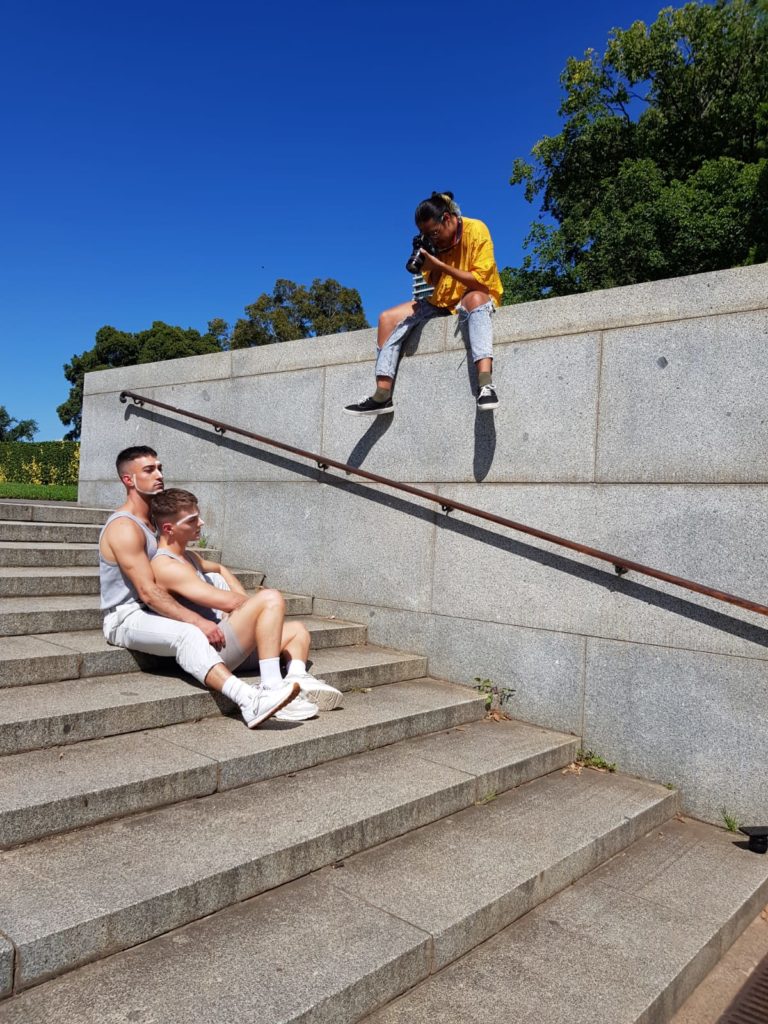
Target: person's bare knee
(473, 300)
(271, 599)
(390, 318)
(387, 323)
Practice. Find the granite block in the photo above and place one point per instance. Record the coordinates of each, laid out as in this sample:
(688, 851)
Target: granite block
(677, 298)
(6, 967)
(195, 452)
(547, 417)
(370, 719)
(465, 878)
(153, 872)
(108, 427)
(545, 669)
(104, 491)
(27, 615)
(65, 514)
(305, 353)
(57, 790)
(710, 535)
(236, 966)
(699, 721)
(34, 717)
(49, 533)
(500, 754)
(15, 554)
(31, 659)
(97, 657)
(28, 581)
(9, 511)
(190, 369)
(684, 402)
(337, 526)
(609, 949)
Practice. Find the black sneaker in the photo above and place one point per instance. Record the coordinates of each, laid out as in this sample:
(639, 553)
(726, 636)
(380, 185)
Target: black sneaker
(487, 398)
(367, 407)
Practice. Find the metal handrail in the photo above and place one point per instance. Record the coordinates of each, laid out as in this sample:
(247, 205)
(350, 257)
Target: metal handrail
(620, 565)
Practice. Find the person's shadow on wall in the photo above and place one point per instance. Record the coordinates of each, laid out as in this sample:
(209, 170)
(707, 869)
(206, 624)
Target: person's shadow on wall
(485, 423)
(381, 424)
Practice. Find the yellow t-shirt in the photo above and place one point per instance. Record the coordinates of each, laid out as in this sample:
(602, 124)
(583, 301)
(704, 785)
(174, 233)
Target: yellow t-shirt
(474, 253)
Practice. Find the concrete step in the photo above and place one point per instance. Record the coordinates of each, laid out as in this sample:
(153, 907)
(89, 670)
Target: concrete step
(77, 897)
(26, 616)
(51, 714)
(37, 513)
(48, 533)
(53, 657)
(28, 581)
(16, 553)
(45, 555)
(57, 790)
(624, 945)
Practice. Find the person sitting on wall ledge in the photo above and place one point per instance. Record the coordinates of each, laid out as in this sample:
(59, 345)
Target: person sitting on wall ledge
(459, 276)
(255, 632)
(141, 615)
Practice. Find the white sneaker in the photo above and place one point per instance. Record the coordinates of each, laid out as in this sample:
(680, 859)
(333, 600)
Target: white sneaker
(299, 710)
(326, 697)
(266, 703)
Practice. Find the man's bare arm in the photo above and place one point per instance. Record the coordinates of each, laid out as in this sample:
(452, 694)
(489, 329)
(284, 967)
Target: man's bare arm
(182, 580)
(232, 581)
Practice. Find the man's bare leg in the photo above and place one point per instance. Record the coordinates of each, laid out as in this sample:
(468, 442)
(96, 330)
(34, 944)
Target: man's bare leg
(249, 624)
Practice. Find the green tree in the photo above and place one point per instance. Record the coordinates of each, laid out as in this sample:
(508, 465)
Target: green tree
(115, 348)
(295, 311)
(24, 430)
(661, 167)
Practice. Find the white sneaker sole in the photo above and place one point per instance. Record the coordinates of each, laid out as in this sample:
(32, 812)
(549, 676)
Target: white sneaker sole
(488, 408)
(326, 700)
(290, 714)
(277, 707)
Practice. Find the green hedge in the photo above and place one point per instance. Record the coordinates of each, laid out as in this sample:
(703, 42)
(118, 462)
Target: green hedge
(39, 462)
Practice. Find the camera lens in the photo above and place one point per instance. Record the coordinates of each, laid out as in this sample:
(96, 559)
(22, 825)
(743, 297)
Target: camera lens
(416, 259)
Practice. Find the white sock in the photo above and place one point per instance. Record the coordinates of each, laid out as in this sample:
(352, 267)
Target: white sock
(296, 667)
(270, 672)
(238, 691)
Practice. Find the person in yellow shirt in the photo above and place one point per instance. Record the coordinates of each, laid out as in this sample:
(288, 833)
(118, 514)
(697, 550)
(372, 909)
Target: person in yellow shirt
(459, 276)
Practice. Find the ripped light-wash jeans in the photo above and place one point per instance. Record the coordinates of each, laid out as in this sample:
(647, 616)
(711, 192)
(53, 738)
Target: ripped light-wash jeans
(477, 322)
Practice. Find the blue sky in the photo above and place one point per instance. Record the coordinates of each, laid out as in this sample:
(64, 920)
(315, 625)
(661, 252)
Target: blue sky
(169, 161)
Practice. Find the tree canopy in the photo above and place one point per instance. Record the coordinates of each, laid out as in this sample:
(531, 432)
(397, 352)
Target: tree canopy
(661, 167)
(295, 311)
(292, 311)
(24, 430)
(122, 348)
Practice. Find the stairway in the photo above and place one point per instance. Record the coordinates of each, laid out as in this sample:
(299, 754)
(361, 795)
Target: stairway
(403, 859)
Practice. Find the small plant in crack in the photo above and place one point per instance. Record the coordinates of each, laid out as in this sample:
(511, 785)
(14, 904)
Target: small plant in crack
(495, 697)
(589, 759)
(729, 821)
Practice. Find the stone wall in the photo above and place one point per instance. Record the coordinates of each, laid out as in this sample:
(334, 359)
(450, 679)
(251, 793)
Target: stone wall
(633, 420)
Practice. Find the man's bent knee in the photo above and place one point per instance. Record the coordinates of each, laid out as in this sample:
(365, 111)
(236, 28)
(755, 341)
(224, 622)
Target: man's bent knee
(271, 598)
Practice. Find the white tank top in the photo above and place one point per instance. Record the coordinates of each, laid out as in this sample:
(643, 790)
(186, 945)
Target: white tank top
(116, 588)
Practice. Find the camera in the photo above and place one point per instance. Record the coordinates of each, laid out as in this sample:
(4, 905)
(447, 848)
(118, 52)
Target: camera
(416, 260)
